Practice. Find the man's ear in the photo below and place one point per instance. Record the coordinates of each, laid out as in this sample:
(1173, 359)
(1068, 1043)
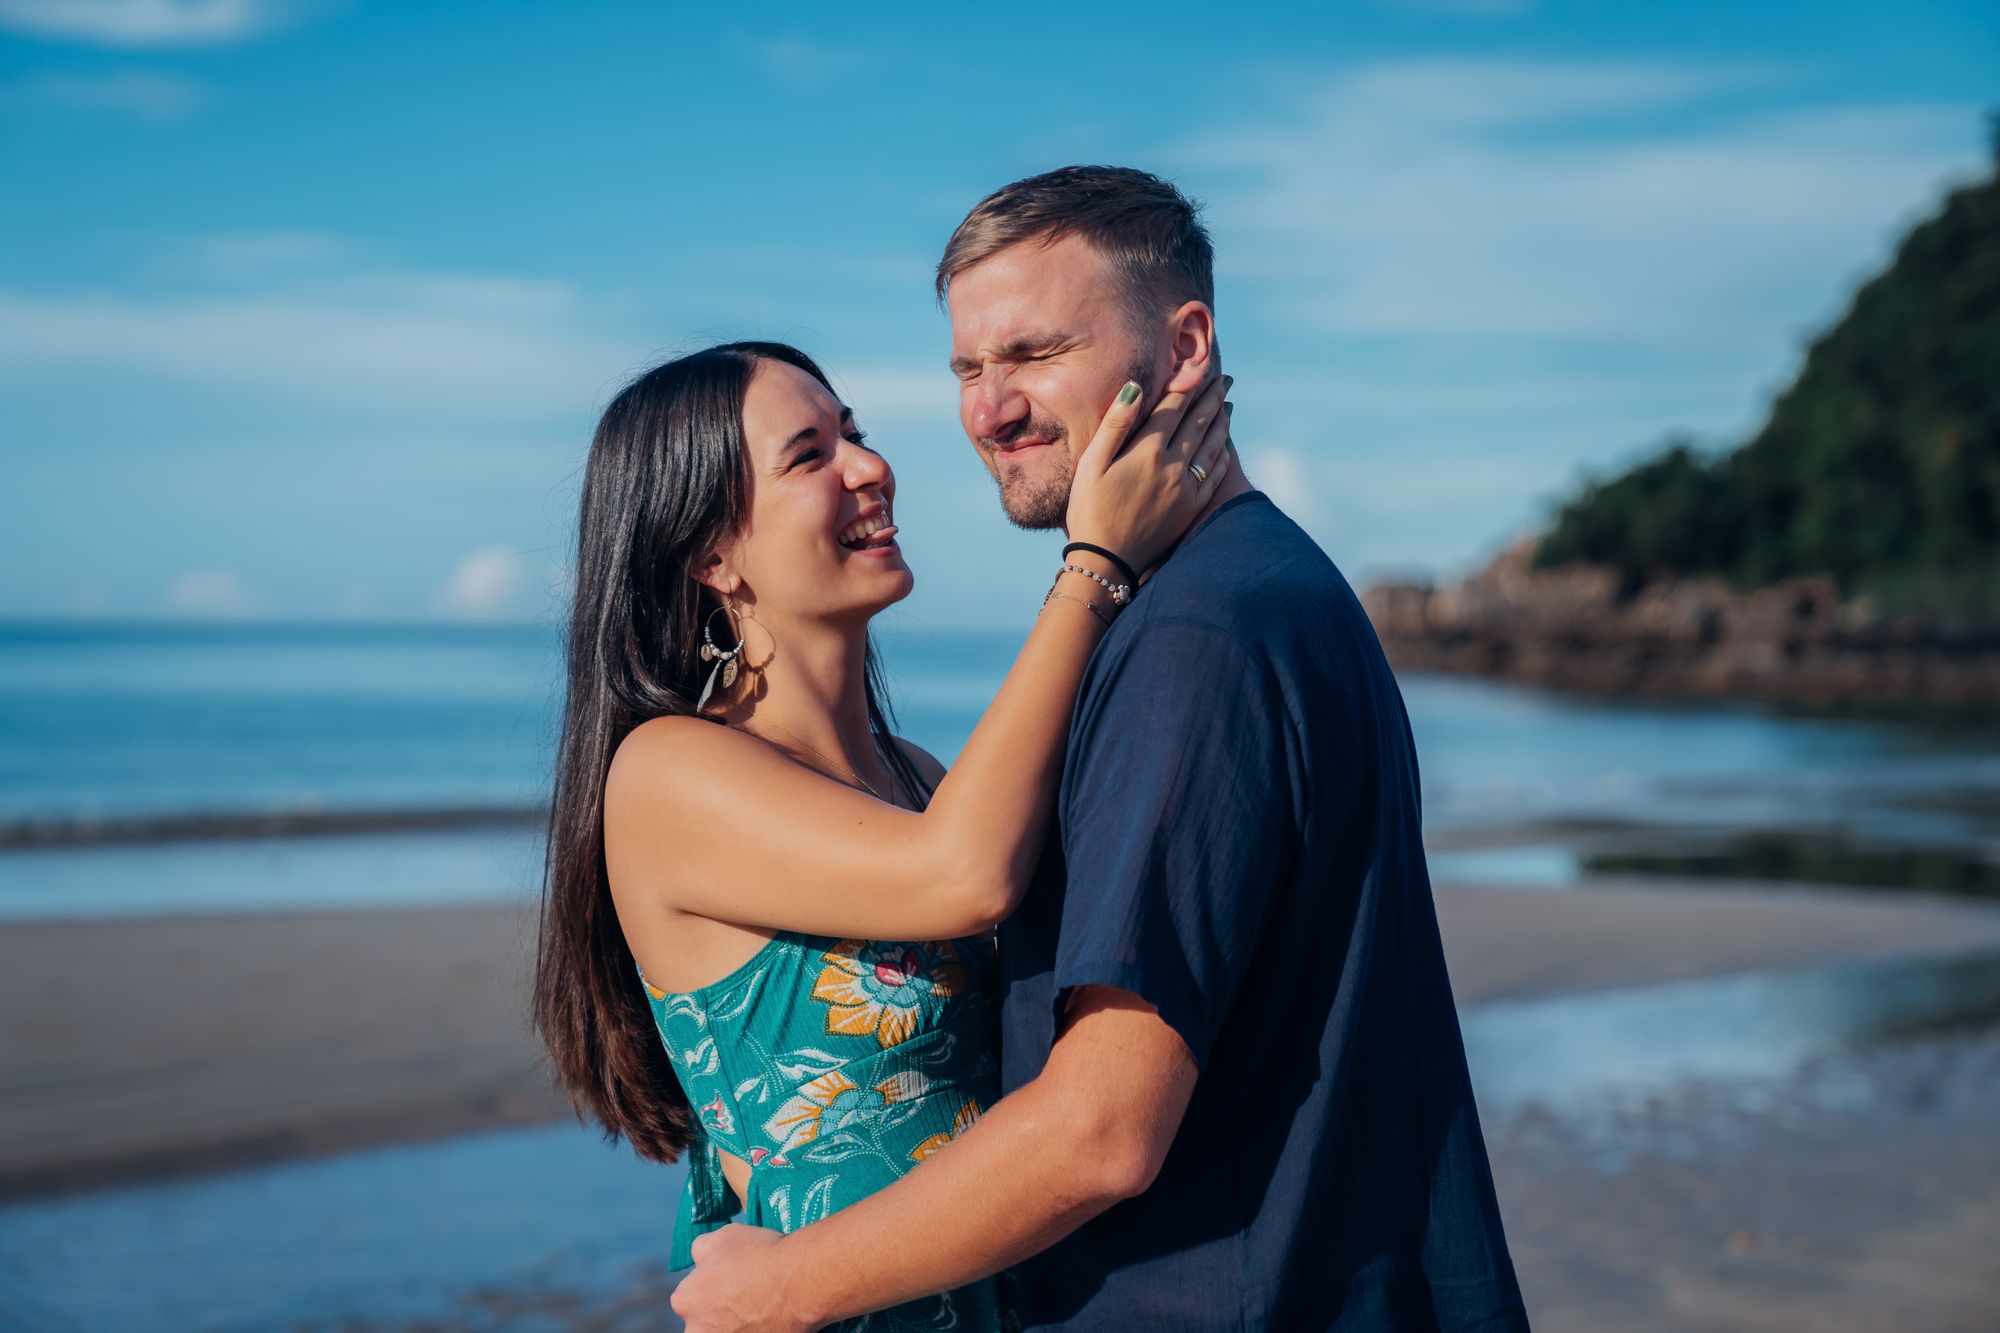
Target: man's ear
(1191, 347)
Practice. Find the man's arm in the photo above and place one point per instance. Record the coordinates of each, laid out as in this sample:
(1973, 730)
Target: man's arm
(1091, 1130)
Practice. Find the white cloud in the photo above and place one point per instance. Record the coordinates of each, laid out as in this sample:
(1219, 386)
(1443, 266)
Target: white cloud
(474, 347)
(485, 584)
(261, 254)
(1470, 277)
(211, 593)
(897, 392)
(1408, 96)
(1473, 9)
(1511, 198)
(147, 23)
(805, 63)
(141, 93)
(1287, 476)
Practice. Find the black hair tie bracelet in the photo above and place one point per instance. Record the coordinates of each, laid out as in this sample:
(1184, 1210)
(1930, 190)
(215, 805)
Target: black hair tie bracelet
(1123, 568)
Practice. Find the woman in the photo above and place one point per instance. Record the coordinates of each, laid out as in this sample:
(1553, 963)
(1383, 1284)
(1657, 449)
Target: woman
(765, 921)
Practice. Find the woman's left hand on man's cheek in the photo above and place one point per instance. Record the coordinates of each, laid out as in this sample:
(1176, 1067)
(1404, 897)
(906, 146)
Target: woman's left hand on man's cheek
(734, 1285)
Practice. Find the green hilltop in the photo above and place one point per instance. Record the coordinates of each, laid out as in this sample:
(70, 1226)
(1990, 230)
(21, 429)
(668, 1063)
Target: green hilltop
(1879, 467)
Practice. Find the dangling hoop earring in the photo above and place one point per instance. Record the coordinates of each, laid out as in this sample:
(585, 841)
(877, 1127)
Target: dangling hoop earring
(724, 658)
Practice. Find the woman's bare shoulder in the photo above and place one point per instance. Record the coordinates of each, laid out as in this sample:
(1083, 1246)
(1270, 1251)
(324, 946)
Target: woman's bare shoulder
(658, 736)
(659, 754)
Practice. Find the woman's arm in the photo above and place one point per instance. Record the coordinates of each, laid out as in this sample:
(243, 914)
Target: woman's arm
(757, 840)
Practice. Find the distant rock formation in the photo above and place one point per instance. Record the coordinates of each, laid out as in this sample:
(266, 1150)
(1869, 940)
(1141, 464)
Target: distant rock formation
(1570, 628)
(1848, 553)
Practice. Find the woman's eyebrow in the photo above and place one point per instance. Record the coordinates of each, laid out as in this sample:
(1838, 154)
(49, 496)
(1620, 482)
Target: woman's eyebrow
(812, 432)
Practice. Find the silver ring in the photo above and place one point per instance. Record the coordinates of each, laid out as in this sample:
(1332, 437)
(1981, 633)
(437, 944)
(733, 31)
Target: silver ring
(1198, 472)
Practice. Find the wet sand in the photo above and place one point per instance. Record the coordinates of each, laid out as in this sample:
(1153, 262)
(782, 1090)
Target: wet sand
(1861, 1191)
(148, 1047)
(161, 1046)
(1513, 943)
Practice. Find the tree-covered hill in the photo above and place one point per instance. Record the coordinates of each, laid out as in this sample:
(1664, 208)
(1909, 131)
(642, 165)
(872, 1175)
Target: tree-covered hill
(1879, 467)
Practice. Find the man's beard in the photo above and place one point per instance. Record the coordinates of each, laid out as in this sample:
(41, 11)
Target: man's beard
(1038, 501)
(1037, 498)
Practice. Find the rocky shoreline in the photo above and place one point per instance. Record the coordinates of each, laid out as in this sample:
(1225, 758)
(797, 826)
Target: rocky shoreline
(1574, 628)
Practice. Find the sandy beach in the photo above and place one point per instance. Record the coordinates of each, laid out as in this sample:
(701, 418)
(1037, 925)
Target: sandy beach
(146, 1047)
(1856, 1189)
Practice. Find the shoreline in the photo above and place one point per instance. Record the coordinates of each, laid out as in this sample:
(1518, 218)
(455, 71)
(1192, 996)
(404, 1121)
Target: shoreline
(246, 825)
(141, 1049)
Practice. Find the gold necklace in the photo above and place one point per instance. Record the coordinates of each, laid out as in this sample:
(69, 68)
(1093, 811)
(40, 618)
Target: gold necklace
(852, 777)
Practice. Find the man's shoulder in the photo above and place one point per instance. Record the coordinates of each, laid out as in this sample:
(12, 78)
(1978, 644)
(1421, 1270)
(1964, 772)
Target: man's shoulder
(1248, 574)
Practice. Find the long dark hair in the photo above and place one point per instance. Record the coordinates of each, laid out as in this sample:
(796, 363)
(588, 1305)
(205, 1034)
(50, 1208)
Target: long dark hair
(666, 483)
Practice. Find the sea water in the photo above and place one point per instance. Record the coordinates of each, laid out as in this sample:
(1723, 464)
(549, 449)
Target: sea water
(176, 727)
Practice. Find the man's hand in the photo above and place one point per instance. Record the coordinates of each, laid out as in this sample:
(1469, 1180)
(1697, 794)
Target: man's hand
(735, 1285)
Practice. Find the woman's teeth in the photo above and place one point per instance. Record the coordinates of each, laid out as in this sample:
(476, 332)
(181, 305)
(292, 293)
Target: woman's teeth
(863, 530)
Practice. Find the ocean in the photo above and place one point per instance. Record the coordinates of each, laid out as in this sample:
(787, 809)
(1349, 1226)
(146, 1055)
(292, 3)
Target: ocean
(403, 765)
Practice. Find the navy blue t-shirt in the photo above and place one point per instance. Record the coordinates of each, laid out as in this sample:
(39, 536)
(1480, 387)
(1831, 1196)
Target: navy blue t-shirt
(1241, 847)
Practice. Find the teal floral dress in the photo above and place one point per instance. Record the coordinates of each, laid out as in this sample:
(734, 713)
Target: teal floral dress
(834, 1067)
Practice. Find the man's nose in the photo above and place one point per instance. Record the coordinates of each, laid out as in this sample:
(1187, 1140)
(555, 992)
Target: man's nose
(995, 407)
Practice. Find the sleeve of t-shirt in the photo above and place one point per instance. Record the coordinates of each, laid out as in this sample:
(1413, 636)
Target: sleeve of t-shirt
(1178, 827)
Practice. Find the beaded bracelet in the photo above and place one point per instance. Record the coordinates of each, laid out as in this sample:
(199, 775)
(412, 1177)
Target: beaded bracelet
(1121, 593)
(1122, 567)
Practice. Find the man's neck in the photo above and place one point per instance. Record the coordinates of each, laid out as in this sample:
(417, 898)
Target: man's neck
(1227, 489)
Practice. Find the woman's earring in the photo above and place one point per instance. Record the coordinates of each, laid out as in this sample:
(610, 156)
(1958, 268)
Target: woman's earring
(724, 658)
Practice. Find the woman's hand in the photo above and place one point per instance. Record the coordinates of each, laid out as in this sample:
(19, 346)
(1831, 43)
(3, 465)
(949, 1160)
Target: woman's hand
(1139, 501)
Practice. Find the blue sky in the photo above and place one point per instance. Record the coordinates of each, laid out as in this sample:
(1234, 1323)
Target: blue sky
(307, 309)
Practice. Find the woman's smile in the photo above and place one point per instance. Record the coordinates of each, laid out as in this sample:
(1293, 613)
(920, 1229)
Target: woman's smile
(872, 529)
(880, 542)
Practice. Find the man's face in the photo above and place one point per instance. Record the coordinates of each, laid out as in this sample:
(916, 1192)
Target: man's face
(1041, 343)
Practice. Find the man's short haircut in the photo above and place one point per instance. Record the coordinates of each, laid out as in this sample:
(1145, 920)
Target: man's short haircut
(1149, 230)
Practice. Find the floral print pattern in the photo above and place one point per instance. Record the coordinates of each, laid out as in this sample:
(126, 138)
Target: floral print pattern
(715, 1116)
(834, 1104)
(880, 989)
(832, 1067)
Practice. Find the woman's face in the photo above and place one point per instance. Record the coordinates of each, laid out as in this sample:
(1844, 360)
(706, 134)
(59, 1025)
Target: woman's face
(819, 543)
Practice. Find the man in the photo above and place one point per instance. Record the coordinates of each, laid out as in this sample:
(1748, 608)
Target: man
(1236, 1091)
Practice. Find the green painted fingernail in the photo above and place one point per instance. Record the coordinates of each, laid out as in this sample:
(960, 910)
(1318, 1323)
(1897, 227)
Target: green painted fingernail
(1130, 393)
(1228, 382)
